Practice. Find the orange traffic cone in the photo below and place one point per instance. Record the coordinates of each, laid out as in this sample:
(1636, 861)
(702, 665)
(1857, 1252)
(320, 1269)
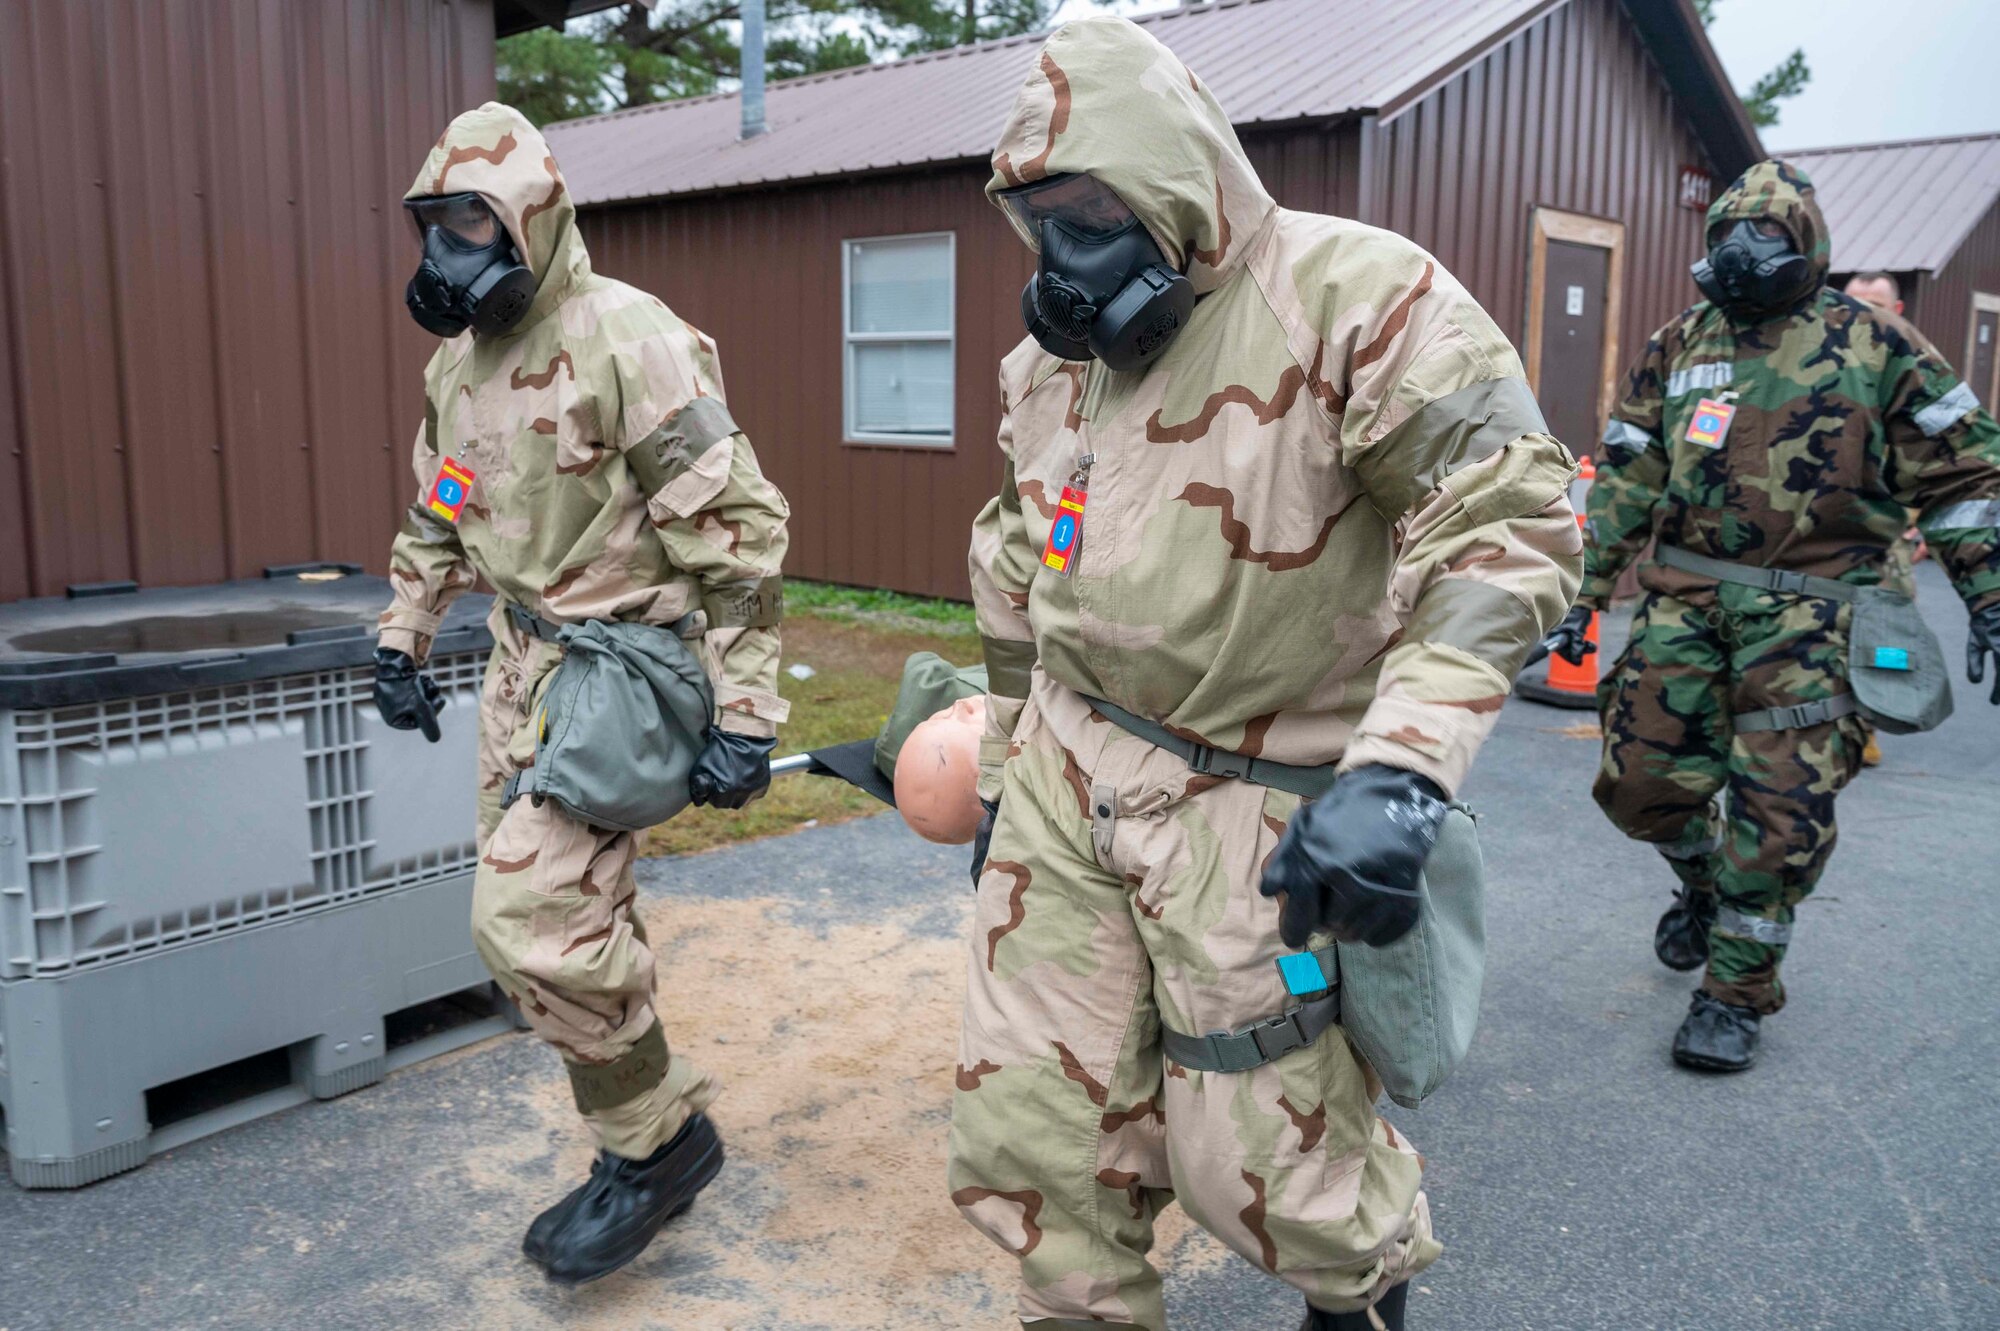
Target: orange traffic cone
(1570, 685)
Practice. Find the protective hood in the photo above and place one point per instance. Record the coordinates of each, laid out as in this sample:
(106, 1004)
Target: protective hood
(496, 152)
(1106, 99)
(1784, 193)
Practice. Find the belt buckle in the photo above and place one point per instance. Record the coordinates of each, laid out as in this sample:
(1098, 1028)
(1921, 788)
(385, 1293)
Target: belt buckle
(1801, 714)
(1201, 758)
(1784, 580)
(1288, 1028)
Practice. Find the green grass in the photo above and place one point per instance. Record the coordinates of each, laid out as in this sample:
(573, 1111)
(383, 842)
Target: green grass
(828, 600)
(856, 642)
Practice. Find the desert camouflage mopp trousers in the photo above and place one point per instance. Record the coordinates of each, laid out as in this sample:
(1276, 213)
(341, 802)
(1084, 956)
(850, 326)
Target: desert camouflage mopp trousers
(553, 917)
(1120, 892)
(1672, 754)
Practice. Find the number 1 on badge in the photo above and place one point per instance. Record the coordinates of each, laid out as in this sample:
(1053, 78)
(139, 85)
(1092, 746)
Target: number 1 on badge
(1067, 534)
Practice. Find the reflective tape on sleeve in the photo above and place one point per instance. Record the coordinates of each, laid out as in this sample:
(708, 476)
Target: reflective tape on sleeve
(1970, 515)
(1626, 436)
(1736, 924)
(1942, 414)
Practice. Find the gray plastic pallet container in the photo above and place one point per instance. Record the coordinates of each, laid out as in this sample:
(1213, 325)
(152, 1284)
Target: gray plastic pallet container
(211, 848)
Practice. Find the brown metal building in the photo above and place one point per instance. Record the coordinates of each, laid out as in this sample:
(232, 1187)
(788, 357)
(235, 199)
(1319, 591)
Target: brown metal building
(1555, 154)
(1927, 211)
(205, 364)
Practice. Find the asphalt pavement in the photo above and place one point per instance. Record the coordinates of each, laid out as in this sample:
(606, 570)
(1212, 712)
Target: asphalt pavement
(1580, 1181)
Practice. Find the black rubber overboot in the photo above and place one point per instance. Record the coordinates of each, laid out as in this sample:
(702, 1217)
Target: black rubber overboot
(540, 1233)
(1680, 940)
(627, 1201)
(1717, 1036)
(1389, 1308)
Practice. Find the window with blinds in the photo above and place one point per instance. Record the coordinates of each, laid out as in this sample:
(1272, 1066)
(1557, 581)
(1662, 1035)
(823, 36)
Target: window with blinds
(899, 305)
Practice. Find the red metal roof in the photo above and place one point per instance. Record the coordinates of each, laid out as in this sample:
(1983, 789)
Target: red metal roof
(1898, 207)
(1267, 61)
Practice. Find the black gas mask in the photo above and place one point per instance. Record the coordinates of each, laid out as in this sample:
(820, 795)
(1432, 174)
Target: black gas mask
(471, 275)
(1752, 267)
(1103, 288)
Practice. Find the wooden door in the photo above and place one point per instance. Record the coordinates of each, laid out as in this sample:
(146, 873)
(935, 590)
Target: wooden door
(1576, 272)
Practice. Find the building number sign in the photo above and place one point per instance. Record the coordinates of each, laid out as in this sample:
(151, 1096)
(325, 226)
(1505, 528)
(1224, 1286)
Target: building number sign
(1697, 188)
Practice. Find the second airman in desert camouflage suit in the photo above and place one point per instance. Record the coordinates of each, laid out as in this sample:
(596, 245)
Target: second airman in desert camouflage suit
(608, 482)
(1322, 526)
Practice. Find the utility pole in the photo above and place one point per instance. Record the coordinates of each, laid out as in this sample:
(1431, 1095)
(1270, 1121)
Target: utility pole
(753, 68)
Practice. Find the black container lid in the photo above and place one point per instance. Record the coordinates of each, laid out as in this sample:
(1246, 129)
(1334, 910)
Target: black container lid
(66, 651)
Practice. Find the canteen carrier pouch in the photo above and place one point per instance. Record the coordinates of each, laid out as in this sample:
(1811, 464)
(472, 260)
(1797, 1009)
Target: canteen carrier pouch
(1895, 666)
(620, 725)
(1410, 1007)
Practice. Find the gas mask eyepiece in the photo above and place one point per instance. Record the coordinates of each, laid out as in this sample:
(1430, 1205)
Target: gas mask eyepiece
(1753, 268)
(1103, 289)
(470, 275)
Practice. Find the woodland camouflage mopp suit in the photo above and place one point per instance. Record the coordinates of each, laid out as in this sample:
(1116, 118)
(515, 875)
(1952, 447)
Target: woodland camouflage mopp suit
(610, 483)
(1844, 418)
(1323, 526)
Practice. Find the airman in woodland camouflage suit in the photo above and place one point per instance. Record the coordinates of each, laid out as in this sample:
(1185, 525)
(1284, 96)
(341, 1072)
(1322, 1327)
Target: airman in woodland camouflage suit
(609, 483)
(1843, 419)
(1324, 526)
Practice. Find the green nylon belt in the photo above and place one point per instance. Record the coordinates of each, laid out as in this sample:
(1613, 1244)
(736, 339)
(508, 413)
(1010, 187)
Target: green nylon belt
(1309, 782)
(530, 624)
(1797, 717)
(1750, 575)
(1259, 1043)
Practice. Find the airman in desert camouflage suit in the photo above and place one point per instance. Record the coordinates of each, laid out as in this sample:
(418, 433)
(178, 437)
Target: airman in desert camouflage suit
(1323, 527)
(1843, 419)
(610, 483)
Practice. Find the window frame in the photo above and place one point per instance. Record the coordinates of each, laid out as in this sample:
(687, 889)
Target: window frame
(849, 340)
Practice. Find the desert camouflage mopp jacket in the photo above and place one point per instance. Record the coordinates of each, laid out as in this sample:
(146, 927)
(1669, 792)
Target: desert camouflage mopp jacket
(610, 481)
(1327, 523)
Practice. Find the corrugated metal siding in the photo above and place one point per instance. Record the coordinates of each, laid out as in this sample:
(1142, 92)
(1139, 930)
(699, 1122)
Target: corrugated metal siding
(209, 366)
(1942, 308)
(1570, 113)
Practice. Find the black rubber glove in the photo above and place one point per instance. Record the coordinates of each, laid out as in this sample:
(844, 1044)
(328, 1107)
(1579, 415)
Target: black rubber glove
(1984, 642)
(407, 698)
(1567, 638)
(982, 839)
(732, 770)
(1348, 862)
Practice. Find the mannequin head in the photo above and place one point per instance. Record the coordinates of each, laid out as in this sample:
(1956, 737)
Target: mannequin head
(937, 774)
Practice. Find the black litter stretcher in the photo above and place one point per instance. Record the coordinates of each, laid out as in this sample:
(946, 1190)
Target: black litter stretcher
(853, 763)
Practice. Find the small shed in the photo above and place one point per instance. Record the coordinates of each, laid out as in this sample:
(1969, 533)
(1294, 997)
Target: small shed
(1555, 154)
(1926, 211)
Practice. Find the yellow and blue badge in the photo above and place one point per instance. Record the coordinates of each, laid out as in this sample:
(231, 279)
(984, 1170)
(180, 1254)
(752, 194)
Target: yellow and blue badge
(1060, 552)
(449, 491)
(1710, 425)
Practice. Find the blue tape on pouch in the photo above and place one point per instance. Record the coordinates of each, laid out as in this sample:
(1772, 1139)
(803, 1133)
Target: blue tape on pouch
(1892, 658)
(1302, 974)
